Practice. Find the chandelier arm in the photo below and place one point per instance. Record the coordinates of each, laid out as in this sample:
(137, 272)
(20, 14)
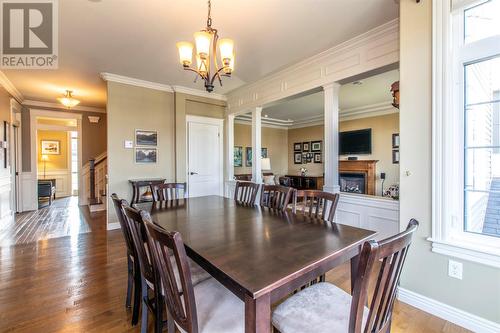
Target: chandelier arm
(217, 75)
(196, 71)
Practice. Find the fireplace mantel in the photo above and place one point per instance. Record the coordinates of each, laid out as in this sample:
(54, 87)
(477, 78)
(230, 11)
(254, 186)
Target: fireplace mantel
(368, 167)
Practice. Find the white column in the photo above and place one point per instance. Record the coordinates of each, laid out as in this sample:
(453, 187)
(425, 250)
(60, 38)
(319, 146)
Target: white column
(331, 142)
(256, 145)
(230, 147)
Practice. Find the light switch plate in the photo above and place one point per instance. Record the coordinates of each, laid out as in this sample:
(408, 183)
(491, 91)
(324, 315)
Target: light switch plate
(129, 144)
(455, 269)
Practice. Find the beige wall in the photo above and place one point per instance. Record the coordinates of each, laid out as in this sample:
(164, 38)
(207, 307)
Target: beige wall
(130, 108)
(305, 134)
(55, 162)
(382, 129)
(426, 272)
(274, 139)
(94, 136)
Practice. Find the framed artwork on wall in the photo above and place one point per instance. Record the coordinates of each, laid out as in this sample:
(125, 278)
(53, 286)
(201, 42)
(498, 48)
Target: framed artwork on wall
(317, 158)
(146, 138)
(248, 159)
(297, 146)
(238, 156)
(306, 146)
(146, 155)
(297, 158)
(316, 146)
(263, 152)
(51, 147)
(395, 140)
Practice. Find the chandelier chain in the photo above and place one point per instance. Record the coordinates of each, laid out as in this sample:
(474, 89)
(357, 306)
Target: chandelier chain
(209, 19)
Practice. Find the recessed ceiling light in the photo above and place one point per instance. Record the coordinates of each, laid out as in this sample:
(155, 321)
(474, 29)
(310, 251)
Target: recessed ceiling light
(357, 83)
(265, 116)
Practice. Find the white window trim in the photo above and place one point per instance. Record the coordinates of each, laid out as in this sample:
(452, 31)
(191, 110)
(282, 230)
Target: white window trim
(448, 237)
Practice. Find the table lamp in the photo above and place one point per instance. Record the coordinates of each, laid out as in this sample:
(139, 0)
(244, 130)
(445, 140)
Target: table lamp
(265, 164)
(45, 158)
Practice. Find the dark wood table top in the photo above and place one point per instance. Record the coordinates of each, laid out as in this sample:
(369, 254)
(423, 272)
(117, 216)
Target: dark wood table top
(254, 248)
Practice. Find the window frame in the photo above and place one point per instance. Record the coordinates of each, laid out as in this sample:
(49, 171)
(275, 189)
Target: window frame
(448, 129)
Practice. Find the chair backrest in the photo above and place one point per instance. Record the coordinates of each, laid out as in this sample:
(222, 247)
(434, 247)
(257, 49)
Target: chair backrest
(118, 203)
(140, 239)
(164, 245)
(391, 253)
(275, 196)
(246, 192)
(169, 191)
(317, 204)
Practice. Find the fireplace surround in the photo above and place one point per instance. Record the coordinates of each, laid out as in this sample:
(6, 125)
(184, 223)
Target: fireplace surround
(366, 168)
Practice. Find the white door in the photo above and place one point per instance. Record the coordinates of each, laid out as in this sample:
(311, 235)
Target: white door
(204, 156)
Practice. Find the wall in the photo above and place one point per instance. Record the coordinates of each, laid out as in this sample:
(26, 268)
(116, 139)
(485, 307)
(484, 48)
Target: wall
(94, 136)
(382, 129)
(130, 107)
(5, 175)
(55, 162)
(305, 134)
(426, 272)
(274, 139)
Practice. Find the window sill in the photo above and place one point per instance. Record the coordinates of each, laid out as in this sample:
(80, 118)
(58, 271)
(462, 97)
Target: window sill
(486, 255)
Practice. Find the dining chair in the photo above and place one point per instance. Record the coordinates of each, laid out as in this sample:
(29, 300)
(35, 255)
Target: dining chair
(169, 191)
(325, 308)
(149, 280)
(246, 192)
(317, 204)
(133, 276)
(275, 196)
(207, 307)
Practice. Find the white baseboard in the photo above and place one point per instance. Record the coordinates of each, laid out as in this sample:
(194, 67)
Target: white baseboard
(113, 226)
(449, 313)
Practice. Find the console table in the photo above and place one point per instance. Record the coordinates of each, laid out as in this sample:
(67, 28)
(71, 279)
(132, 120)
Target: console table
(306, 182)
(137, 184)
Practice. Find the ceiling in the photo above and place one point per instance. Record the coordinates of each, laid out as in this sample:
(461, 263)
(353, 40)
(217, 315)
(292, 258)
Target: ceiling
(137, 39)
(372, 91)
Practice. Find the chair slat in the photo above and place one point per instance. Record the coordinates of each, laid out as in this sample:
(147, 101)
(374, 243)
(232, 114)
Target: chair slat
(246, 192)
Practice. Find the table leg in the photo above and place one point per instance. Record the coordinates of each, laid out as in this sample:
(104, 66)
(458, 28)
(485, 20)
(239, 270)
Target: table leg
(258, 314)
(354, 270)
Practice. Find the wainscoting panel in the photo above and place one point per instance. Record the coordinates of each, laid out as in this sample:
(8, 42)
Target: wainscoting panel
(5, 195)
(29, 191)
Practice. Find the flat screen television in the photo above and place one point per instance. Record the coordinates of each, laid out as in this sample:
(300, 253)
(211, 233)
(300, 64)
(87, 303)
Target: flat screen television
(356, 142)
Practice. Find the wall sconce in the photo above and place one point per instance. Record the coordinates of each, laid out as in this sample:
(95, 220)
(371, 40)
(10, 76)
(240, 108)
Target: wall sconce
(94, 119)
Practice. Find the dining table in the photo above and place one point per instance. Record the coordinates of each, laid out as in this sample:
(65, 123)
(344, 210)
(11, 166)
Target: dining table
(259, 254)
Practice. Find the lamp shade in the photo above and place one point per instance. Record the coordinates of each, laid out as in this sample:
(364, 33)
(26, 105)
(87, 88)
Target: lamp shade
(203, 40)
(185, 53)
(45, 157)
(226, 47)
(265, 164)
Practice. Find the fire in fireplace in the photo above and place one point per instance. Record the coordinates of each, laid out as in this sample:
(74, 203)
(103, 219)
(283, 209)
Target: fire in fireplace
(352, 182)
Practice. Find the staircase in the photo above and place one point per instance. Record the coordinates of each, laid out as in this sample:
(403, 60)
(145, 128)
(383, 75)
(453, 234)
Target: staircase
(95, 183)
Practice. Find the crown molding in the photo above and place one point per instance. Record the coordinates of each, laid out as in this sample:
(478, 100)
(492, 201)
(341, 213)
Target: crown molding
(200, 93)
(136, 82)
(59, 106)
(11, 89)
(366, 111)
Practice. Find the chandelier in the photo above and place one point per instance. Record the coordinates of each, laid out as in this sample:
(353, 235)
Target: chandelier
(68, 100)
(207, 67)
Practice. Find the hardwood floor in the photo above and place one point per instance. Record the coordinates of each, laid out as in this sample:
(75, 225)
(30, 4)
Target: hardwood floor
(77, 284)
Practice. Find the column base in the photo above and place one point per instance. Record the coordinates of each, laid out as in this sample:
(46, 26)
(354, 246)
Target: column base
(331, 189)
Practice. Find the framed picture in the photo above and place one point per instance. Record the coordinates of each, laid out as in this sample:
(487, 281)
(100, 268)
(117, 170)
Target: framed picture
(146, 155)
(316, 146)
(146, 138)
(297, 146)
(51, 147)
(297, 158)
(238, 156)
(263, 152)
(317, 158)
(395, 156)
(306, 146)
(248, 159)
(395, 140)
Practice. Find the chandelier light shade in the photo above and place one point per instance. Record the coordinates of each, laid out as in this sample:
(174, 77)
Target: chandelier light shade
(68, 100)
(207, 67)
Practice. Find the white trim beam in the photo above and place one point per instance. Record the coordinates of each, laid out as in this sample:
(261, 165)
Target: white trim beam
(256, 145)
(331, 152)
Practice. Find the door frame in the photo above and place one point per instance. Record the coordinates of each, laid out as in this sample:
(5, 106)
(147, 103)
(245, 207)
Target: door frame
(16, 159)
(34, 114)
(207, 121)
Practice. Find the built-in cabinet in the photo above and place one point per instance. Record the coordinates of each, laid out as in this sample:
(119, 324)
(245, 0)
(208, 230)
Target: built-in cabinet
(306, 182)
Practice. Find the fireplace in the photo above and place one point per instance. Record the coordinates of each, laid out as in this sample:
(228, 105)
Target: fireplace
(352, 182)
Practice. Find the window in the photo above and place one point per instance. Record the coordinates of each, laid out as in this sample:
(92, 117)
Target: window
(466, 133)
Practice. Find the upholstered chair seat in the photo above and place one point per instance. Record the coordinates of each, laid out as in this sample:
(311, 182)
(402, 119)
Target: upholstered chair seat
(320, 308)
(218, 309)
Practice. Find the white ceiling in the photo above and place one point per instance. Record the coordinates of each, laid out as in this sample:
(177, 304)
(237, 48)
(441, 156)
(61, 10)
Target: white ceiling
(137, 39)
(372, 91)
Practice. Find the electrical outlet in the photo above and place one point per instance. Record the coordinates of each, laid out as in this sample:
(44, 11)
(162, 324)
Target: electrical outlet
(455, 269)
